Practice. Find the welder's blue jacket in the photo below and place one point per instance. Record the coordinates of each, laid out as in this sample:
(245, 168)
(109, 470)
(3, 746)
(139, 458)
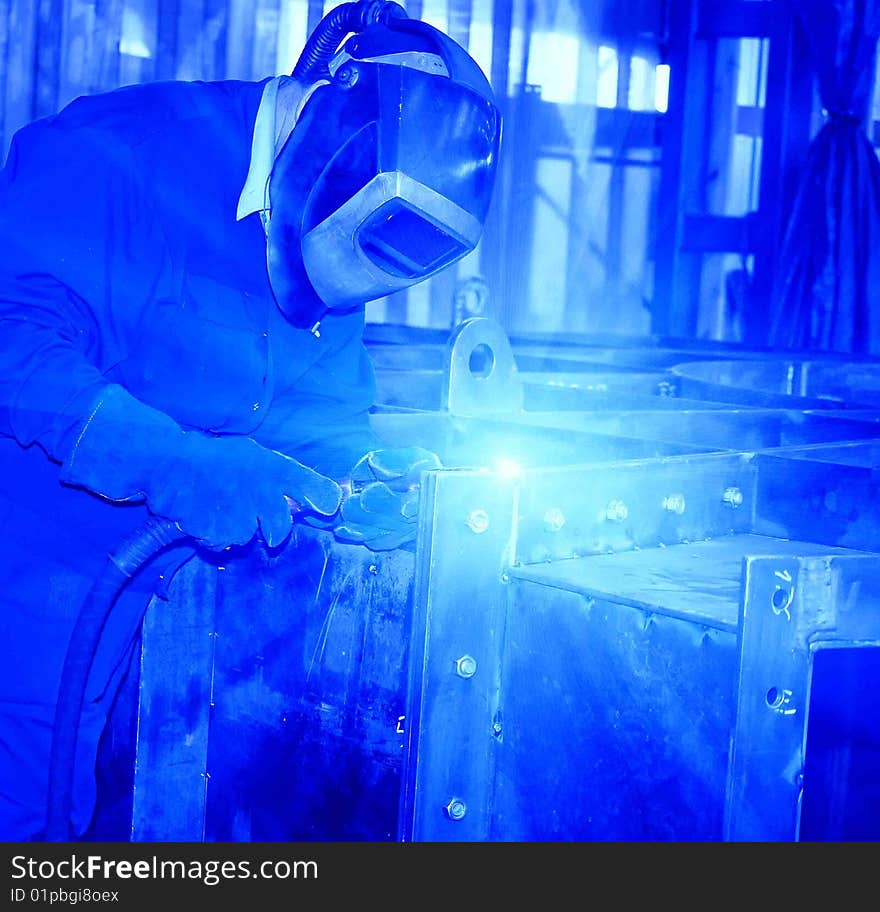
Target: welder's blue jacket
(121, 261)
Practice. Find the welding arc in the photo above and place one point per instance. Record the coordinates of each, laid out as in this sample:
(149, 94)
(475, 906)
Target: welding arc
(154, 537)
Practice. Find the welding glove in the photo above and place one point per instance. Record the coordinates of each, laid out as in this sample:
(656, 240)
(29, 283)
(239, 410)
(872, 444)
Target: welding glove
(219, 490)
(382, 510)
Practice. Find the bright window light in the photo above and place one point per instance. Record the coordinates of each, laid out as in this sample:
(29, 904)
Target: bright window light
(133, 40)
(434, 13)
(553, 65)
(292, 28)
(480, 39)
(480, 46)
(641, 85)
(661, 88)
(606, 82)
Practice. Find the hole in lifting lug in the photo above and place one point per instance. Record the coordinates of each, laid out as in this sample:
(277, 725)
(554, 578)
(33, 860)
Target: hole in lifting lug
(775, 698)
(482, 360)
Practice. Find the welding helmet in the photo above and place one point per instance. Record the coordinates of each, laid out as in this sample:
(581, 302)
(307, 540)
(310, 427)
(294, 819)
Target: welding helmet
(387, 176)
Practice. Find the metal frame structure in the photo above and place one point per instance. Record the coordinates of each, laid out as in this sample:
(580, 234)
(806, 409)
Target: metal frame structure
(792, 608)
(713, 659)
(688, 230)
(606, 631)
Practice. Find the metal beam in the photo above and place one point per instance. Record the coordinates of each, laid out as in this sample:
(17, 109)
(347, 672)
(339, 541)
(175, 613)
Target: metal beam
(682, 179)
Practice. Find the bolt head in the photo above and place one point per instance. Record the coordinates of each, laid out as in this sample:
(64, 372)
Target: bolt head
(347, 75)
(455, 809)
(466, 666)
(732, 497)
(554, 519)
(478, 521)
(616, 511)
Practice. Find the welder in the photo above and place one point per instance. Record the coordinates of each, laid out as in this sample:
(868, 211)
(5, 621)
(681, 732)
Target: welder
(183, 273)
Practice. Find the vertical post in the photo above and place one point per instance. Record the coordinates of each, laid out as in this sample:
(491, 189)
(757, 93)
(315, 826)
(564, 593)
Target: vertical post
(493, 254)
(677, 273)
(265, 20)
(105, 73)
(316, 13)
(517, 186)
(240, 51)
(134, 68)
(694, 30)
(786, 138)
(20, 66)
(521, 190)
(453, 713)
(767, 760)
(4, 67)
(50, 21)
(166, 39)
(617, 181)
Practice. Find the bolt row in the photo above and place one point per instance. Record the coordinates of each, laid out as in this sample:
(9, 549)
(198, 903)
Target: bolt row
(616, 511)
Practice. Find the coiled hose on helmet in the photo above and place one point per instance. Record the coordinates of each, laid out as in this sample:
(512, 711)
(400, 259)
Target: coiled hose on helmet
(322, 44)
(154, 537)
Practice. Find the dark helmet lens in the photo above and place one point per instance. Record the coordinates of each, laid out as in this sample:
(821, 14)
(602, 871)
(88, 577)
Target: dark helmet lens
(404, 243)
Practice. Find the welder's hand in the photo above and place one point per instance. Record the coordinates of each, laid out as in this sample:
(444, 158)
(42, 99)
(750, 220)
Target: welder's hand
(220, 490)
(382, 510)
(223, 490)
(399, 467)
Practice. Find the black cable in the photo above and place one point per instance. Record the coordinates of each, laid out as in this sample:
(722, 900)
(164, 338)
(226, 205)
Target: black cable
(322, 44)
(145, 543)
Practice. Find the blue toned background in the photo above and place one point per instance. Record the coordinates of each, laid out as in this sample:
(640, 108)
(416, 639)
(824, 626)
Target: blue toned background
(644, 602)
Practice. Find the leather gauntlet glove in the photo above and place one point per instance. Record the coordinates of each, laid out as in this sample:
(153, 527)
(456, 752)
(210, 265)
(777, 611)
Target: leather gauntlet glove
(220, 490)
(382, 511)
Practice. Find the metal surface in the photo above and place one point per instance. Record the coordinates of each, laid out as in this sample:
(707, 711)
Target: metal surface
(825, 494)
(585, 494)
(615, 718)
(591, 640)
(481, 371)
(784, 382)
(451, 746)
(269, 699)
(175, 691)
(306, 732)
(793, 606)
(624, 732)
(476, 442)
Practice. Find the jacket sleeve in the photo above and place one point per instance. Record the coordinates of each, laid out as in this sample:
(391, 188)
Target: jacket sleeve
(68, 207)
(324, 420)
